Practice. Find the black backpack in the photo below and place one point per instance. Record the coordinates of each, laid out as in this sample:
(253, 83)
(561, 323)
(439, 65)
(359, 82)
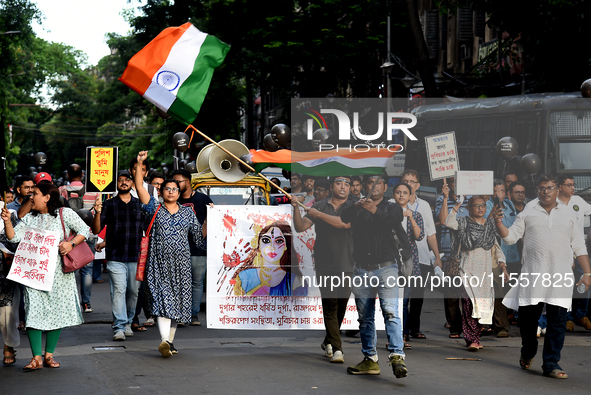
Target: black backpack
(75, 202)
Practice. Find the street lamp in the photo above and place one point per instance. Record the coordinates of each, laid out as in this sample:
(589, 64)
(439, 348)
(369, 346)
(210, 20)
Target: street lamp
(407, 81)
(387, 66)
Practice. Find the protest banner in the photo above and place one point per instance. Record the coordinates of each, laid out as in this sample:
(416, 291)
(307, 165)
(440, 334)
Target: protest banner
(250, 287)
(474, 183)
(101, 169)
(442, 155)
(35, 259)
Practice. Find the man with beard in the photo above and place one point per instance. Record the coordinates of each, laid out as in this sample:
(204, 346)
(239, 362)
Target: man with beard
(198, 203)
(24, 186)
(356, 186)
(333, 251)
(125, 226)
(308, 187)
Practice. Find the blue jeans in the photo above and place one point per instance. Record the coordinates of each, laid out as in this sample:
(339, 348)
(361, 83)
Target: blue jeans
(365, 290)
(198, 270)
(97, 269)
(86, 283)
(86, 275)
(124, 290)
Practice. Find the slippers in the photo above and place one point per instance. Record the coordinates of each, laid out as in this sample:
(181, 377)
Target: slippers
(525, 363)
(486, 331)
(138, 328)
(446, 325)
(418, 335)
(407, 345)
(149, 322)
(454, 335)
(9, 355)
(473, 347)
(556, 374)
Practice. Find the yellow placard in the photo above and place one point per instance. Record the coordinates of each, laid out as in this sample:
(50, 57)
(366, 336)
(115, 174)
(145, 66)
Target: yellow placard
(101, 167)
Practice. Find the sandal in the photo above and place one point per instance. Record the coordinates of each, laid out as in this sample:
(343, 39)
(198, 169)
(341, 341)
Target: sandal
(486, 331)
(49, 362)
(149, 322)
(525, 363)
(454, 335)
(33, 365)
(418, 335)
(11, 357)
(138, 328)
(407, 345)
(556, 374)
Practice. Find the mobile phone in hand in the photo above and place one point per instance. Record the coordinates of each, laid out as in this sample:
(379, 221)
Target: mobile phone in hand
(497, 202)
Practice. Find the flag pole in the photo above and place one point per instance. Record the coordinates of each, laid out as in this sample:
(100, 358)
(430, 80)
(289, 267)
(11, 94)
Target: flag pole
(243, 162)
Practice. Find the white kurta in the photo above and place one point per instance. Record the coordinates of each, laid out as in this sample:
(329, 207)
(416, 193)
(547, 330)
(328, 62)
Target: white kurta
(550, 239)
(576, 204)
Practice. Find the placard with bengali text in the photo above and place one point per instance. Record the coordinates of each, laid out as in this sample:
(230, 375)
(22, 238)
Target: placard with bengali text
(101, 169)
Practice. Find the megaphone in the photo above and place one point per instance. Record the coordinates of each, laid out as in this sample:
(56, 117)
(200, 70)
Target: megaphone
(203, 158)
(223, 166)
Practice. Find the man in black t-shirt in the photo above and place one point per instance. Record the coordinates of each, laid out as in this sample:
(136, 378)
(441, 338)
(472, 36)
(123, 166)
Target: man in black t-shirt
(333, 257)
(198, 202)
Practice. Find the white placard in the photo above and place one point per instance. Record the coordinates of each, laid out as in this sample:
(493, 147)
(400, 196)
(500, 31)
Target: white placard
(442, 155)
(474, 183)
(35, 259)
(395, 165)
(232, 235)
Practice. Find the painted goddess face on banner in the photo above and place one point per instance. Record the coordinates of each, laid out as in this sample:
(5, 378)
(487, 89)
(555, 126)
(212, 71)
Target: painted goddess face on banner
(267, 270)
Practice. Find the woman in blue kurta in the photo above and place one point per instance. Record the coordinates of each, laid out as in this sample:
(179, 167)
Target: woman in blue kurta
(168, 270)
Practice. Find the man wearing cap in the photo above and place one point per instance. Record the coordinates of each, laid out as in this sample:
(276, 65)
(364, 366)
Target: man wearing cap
(124, 220)
(376, 255)
(333, 258)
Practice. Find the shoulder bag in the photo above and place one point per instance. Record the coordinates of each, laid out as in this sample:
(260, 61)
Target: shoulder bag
(140, 274)
(80, 256)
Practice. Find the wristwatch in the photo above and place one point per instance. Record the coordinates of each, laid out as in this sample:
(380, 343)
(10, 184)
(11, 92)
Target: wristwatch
(73, 244)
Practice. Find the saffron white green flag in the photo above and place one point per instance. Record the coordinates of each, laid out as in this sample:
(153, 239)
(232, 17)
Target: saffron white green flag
(174, 70)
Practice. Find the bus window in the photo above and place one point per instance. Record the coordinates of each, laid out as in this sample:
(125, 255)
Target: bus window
(574, 154)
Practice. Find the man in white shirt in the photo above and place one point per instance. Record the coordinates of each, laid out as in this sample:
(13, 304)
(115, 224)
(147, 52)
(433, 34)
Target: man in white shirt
(411, 178)
(550, 237)
(566, 195)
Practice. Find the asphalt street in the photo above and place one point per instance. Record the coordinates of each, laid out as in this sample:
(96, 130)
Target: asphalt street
(284, 362)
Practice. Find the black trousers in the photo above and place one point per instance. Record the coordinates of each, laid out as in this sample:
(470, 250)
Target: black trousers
(334, 307)
(555, 332)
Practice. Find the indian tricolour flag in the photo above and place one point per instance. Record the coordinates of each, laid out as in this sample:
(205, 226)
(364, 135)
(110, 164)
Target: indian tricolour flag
(174, 70)
(327, 163)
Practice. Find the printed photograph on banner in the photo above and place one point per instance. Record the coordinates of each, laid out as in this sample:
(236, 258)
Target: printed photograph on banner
(260, 255)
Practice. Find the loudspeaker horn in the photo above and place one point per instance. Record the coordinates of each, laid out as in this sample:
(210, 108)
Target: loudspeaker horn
(203, 158)
(223, 166)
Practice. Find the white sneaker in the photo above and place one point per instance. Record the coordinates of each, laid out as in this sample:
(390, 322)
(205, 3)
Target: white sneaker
(128, 331)
(327, 350)
(119, 335)
(338, 357)
(539, 331)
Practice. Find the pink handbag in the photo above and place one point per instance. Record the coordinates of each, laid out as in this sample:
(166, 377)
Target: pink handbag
(80, 256)
(140, 274)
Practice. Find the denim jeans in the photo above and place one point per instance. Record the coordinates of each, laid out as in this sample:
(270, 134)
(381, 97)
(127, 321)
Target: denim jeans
(124, 290)
(86, 275)
(366, 285)
(86, 283)
(97, 269)
(198, 270)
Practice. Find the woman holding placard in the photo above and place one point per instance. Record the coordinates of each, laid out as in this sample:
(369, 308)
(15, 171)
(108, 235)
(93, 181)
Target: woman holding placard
(475, 239)
(59, 308)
